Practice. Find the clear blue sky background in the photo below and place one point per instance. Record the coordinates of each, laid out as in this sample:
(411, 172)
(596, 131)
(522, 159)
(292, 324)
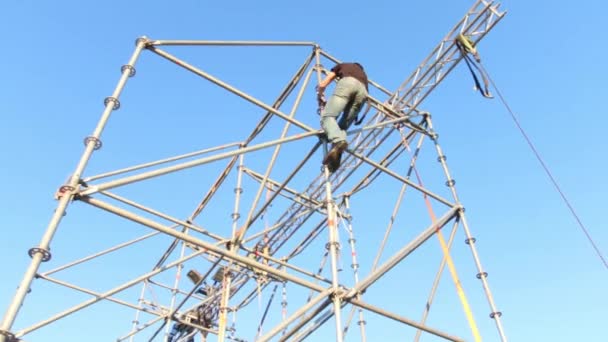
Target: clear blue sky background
(60, 59)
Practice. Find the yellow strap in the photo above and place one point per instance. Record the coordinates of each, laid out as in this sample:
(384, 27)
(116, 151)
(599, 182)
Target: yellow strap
(446, 254)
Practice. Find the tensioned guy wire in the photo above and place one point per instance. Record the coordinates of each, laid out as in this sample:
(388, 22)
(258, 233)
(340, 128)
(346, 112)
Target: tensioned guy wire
(547, 171)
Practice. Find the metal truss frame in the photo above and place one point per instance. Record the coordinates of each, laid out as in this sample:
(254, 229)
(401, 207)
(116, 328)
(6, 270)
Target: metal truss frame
(249, 259)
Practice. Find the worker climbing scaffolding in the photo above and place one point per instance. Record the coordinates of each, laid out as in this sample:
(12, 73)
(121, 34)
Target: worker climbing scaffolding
(348, 99)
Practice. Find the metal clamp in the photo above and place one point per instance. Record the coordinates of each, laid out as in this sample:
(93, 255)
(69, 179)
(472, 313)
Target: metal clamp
(62, 190)
(112, 99)
(450, 183)
(238, 190)
(482, 275)
(495, 314)
(328, 245)
(9, 336)
(46, 255)
(128, 67)
(470, 241)
(235, 216)
(442, 158)
(88, 139)
(362, 322)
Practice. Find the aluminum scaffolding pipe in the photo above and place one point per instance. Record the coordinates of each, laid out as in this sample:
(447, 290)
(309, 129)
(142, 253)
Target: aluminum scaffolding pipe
(228, 87)
(230, 43)
(403, 252)
(42, 253)
(105, 295)
(404, 320)
(155, 173)
(208, 247)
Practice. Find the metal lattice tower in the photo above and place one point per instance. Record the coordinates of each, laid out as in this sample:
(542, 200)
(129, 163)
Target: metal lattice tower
(251, 277)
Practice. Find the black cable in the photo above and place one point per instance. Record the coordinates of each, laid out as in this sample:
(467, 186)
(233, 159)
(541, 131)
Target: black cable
(555, 184)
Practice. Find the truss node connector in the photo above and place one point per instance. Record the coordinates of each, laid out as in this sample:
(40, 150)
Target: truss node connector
(98, 143)
(329, 244)
(495, 314)
(470, 241)
(128, 67)
(113, 100)
(433, 135)
(46, 255)
(143, 39)
(63, 190)
(482, 275)
(9, 336)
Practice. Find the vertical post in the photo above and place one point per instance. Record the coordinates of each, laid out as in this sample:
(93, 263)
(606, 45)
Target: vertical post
(470, 240)
(355, 267)
(66, 193)
(333, 247)
(227, 282)
(137, 313)
(227, 277)
(178, 273)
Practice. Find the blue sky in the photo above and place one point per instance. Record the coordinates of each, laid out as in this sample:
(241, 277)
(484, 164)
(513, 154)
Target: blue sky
(60, 59)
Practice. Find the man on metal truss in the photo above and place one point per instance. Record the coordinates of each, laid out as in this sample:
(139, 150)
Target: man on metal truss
(348, 98)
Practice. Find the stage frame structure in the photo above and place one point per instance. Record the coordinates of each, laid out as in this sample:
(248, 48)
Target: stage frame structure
(255, 258)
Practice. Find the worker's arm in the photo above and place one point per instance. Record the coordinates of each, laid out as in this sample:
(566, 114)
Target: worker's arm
(330, 77)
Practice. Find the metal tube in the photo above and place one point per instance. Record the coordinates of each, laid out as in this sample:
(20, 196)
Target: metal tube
(178, 273)
(301, 311)
(96, 255)
(482, 275)
(287, 180)
(282, 97)
(104, 295)
(138, 329)
(404, 252)
(230, 88)
(398, 203)
(293, 267)
(163, 216)
(227, 280)
(355, 267)
(167, 287)
(206, 246)
(429, 301)
(96, 294)
(230, 43)
(158, 162)
(140, 300)
(273, 158)
(91, 144)
(258, 177)
(277, 225)
(401, 178)
(193, 163)
(333, 252)
(405, 320)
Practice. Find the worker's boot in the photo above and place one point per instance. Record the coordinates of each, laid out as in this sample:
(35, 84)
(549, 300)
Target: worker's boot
(333, 158)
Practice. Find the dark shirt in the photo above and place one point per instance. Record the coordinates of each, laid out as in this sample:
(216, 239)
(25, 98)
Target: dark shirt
(351, 69)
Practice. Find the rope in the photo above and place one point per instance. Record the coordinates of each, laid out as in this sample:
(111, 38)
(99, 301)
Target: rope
(549, 174)
(461, 295)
